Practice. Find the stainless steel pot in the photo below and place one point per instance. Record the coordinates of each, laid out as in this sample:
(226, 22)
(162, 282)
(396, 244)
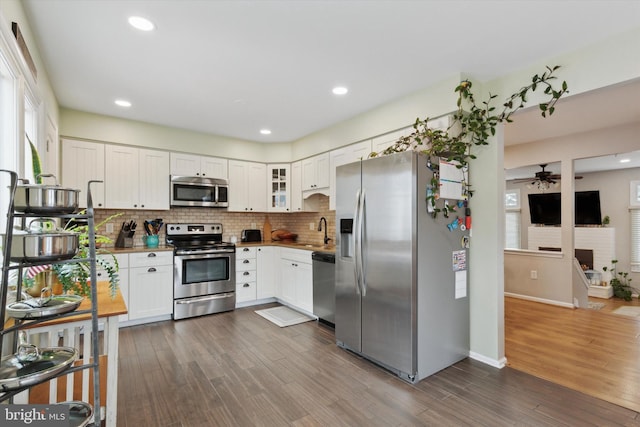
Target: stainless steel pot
(43, 245)
(80, 413)
(45, 199)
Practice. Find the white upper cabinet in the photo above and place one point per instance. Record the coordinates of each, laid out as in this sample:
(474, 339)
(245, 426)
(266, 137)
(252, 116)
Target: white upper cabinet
(154, 179)
(194, 165)
(315, 172)
(296, 187)
(257, 194)
(136, 178)
(247, 193)
(122, 187)
(279, 188)
(214, 167)
(342, 156)
(82, 162)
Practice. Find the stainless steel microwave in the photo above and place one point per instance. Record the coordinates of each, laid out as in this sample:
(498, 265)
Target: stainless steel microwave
(199, 191)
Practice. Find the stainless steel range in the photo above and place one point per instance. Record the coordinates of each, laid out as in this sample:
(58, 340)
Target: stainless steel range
(204, 271)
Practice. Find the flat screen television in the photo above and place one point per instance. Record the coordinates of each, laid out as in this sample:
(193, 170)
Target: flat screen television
(587, 208)
(545, 208)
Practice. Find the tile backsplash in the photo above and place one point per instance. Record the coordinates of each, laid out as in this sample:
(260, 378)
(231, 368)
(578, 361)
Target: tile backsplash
(232, 222)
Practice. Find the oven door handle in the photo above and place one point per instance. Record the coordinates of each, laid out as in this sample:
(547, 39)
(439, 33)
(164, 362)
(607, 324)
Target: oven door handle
(208, 298)
(206, 252)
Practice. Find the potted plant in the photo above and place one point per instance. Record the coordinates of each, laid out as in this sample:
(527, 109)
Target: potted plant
(621, 282)
(606, 220)
(75, 277)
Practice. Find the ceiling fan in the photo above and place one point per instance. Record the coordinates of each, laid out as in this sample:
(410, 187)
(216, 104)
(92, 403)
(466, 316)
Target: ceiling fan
(543, 179)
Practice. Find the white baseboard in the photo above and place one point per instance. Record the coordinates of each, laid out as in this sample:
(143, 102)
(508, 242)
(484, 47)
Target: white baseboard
(496, 363)
(255, 302)
(542, 300)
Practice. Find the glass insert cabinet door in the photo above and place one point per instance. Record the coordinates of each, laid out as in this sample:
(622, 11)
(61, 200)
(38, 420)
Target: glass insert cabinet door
(279, 188)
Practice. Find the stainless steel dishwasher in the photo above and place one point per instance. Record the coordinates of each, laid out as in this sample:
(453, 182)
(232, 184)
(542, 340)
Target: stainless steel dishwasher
(324, 295)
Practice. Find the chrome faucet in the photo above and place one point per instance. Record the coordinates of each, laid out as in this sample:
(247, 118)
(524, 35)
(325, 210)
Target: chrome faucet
(326, 239)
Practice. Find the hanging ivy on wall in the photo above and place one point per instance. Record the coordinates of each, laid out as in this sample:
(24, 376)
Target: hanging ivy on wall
(472, 124)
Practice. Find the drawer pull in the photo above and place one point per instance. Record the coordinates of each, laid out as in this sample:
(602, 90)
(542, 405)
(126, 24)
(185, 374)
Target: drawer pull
(151, 255)
(246, 273)
(246, 285)
(151, 270)
(245, 250)
(246, 261)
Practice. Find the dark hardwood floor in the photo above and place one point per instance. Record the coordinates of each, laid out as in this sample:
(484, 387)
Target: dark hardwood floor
(238, 369)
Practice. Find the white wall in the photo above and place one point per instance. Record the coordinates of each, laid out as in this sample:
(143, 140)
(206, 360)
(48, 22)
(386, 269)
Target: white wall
(547, 287)
(83, 125)
(433, 101)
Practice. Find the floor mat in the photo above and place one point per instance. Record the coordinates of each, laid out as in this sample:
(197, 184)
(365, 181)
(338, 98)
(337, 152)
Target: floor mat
(628, 311)
(283, 316)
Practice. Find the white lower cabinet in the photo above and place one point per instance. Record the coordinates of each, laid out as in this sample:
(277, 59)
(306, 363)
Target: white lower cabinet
(256, 269)
(245, 275)
(150, 284)
(296, 279)
(266, 269)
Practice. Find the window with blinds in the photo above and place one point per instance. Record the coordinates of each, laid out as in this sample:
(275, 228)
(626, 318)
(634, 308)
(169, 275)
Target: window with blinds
(512, 219)
(634, 213)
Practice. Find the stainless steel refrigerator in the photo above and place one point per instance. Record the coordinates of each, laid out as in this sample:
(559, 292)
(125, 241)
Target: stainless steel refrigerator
(401, 275)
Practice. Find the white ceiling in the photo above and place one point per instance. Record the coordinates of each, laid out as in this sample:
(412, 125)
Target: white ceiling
(581, 166)
(233, 67)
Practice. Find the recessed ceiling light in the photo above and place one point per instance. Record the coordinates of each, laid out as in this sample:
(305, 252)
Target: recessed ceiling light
(142, 24)
(625, 160)
(122, 103)
(265, 131)
(340, 90)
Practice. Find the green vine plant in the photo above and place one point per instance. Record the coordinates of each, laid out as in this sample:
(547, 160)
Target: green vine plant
(75, 277)
(621, 282)
(471, 126)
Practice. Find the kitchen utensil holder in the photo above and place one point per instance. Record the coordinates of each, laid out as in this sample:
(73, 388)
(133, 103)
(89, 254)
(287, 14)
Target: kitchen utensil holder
(125, 239)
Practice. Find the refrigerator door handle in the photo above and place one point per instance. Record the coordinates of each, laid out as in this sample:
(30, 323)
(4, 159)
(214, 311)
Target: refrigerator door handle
(356, 241)
(359, 246)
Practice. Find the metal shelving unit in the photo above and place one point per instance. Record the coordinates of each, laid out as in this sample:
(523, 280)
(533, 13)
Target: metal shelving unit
(21, 324)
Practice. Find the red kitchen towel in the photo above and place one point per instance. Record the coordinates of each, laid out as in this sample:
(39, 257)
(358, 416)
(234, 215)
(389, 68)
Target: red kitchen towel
(37, 269)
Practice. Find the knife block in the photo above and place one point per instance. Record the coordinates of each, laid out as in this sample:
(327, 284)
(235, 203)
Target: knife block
(123, 240)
